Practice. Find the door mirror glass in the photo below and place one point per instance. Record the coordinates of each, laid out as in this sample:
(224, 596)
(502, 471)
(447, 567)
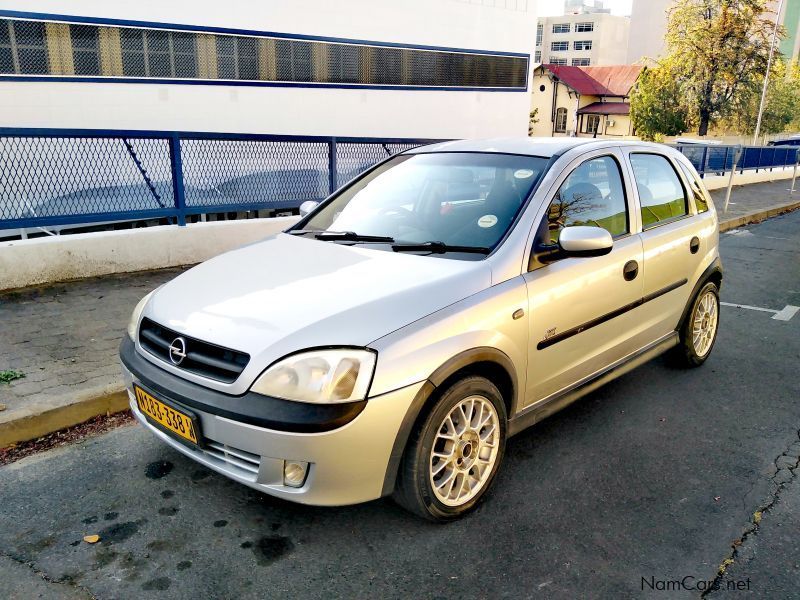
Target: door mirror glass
(585, 241)
(307, 206)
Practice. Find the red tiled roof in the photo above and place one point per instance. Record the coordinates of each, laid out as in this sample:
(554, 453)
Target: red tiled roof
(598, 81)
(606, 108)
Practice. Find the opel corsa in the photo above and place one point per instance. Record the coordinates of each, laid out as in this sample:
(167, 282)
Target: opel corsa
(392, 340)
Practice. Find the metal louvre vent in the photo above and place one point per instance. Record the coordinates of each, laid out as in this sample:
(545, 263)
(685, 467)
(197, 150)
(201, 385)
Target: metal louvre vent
(243, 463)
(201, 358)
(50, 48)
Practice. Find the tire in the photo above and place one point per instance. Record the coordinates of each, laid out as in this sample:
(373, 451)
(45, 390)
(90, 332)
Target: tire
(699, 330)
(426, 483)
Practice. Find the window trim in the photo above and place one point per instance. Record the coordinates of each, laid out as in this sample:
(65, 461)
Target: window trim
(687, 204)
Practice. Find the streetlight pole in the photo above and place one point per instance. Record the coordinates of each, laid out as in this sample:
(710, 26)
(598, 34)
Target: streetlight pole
(766, 75)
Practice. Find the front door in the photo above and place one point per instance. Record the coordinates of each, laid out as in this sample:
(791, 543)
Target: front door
(582, 309)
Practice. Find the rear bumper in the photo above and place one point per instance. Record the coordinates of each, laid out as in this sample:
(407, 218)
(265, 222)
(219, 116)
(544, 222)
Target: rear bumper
(347, 465)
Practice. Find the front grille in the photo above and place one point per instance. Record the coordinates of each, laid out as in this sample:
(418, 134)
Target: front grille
(244, 464)
(202, 358)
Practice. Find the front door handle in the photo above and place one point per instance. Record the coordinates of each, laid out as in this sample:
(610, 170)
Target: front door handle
(630, 270)
(694, 245)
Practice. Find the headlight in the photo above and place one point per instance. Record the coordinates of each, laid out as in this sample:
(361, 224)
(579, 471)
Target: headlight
(319, 376)
(137, 312)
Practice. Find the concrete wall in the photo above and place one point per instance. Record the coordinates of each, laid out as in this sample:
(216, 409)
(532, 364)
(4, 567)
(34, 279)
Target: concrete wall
(648, 25)
(504, 26)
(609, 38)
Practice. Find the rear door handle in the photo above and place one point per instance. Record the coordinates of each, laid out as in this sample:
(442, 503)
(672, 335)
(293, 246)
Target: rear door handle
(694, 245)
(630, 270)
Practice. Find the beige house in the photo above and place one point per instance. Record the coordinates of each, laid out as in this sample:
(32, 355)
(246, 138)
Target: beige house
(583, 101)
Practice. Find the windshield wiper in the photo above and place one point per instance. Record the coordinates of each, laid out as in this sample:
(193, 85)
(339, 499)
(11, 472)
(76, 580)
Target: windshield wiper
(439, 248)
(303, 231)
(352, 236)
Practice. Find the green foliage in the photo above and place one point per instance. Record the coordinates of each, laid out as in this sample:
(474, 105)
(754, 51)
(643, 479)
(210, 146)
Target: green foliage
(718, 54)
(782, 108)
(656, 108)
(533, 118)
(10, 375)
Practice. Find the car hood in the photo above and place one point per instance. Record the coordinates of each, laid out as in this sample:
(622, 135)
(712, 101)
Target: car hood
(288, 293)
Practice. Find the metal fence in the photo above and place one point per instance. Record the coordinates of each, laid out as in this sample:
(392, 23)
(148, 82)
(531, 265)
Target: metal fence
(716, 160)
(63, 177)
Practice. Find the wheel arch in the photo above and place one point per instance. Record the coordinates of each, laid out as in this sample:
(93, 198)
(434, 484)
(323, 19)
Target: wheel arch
(712, 273)
(487, 362)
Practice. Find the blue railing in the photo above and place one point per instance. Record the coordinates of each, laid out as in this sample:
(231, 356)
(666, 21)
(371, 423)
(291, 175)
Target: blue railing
(53, 177)
(721, 159)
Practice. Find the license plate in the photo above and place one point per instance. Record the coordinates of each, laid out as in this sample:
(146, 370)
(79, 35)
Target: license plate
(168, 417)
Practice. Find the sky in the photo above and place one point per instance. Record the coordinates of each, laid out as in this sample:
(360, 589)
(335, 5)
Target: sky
(548, 8)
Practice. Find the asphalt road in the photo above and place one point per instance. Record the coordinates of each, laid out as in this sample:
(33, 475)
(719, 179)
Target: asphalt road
(648, 480)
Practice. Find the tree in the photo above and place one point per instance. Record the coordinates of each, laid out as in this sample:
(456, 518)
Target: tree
(533, 119)
(656, 107)
(782, 107)
(719, 49)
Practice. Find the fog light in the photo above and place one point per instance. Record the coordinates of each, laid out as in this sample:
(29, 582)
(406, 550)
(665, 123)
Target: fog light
(294, 473)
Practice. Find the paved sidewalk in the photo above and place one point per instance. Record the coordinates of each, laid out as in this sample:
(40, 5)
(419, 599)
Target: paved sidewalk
(64, 337)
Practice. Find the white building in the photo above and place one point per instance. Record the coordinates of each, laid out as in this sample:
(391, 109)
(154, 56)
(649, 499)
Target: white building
(582, 40)
(444, 69)
(648, 26)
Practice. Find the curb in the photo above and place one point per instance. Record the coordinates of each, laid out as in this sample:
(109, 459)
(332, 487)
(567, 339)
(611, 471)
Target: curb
(756, 216)
(57, 413)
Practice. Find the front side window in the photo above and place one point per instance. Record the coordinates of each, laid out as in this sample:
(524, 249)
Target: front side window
(593, 194)
(459, 199)
(561, 120)
(661, 194)
(697, 188)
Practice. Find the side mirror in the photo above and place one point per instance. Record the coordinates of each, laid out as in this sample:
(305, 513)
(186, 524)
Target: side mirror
(307, 206)
(582, 240)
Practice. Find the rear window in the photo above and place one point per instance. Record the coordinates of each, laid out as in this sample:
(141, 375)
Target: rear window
(661, 193)
(697, 188)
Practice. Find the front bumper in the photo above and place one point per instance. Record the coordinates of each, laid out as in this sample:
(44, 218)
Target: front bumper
(347, 465)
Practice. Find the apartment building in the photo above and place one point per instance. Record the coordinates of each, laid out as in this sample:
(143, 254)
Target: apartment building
(582, 40)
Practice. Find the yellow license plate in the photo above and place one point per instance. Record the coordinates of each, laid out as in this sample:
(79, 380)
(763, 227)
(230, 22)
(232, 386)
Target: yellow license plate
(173, 420)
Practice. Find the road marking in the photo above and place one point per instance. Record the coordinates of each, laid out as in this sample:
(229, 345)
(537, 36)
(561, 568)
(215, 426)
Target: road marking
(786, 313)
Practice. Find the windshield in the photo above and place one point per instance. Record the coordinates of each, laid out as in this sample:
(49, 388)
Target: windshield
(454, 199)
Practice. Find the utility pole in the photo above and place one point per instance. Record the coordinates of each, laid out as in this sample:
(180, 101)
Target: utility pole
(766, 75)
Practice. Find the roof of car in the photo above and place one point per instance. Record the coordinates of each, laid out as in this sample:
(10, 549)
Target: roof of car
(532, 146)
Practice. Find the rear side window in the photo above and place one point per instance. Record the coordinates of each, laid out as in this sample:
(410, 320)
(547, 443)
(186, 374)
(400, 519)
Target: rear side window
(697, 189)
(592, 194)
(661, 194)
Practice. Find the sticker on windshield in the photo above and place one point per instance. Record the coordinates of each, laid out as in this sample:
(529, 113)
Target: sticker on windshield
(487, 221)
(523, 173)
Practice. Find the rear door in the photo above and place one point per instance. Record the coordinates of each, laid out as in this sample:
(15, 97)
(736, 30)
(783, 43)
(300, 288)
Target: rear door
(582, 309)
(672, 239)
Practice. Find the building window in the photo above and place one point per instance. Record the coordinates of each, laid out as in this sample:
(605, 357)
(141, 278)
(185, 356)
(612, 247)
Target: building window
(237, 57)
(561, 120)
(582, 45)
(561, 28)
(35, 47)
(539, 34)
(584, 27)
(559, 46)
(558, 61)
(592, 123)
(23, 48)
(580, 62)
(537, 57)
(154, 53)
(85, 49)
(293, 60)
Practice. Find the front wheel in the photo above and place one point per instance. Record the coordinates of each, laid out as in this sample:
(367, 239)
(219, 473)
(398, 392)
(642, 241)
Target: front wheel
(454, 454)
(699, 330)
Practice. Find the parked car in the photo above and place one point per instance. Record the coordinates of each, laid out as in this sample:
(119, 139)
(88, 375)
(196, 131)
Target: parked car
(790, 141)
(392, 340)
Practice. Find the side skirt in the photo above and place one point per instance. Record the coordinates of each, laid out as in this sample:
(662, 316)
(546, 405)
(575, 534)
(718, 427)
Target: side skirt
(554, 403)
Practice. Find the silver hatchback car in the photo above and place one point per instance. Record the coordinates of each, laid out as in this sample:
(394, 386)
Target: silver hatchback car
(392, 340)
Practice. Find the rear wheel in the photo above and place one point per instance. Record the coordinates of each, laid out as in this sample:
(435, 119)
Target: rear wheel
(699, 330)
(453, 456)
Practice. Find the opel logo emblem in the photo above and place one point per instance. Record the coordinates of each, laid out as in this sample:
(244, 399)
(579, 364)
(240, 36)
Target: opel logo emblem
(177, 351)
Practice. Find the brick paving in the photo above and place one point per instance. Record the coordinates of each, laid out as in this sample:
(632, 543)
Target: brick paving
(64, 337)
